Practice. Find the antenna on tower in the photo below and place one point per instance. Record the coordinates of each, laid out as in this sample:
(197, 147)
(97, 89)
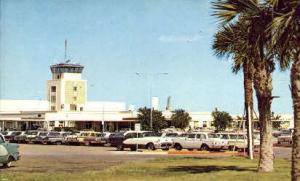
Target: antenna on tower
(66, 44)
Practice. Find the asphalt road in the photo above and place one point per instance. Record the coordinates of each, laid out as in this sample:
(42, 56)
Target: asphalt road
(56, 158)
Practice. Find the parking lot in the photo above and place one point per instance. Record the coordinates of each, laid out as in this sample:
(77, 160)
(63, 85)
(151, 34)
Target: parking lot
(61, 158)
(52, 158)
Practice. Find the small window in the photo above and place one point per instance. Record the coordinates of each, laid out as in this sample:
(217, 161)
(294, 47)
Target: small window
(224, 136)
(53, 99)
(53, 88)
(75, 98)
(52, 123)
(73, 107)
(191, 136)
(201, 136)
(131, 135)
(52, 108)
(62, 106)
(233, 136)
(39, 115)
(75, 88)
(81, 108)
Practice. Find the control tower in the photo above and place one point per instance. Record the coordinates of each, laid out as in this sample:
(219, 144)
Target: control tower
(66, 91)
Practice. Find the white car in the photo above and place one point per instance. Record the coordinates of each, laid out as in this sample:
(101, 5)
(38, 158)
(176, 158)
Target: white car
(236, 141)
(151, 141)
(285, 139)
(200, 141)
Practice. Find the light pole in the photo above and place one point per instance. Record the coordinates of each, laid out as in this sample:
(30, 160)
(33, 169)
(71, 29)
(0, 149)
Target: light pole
(152, 75)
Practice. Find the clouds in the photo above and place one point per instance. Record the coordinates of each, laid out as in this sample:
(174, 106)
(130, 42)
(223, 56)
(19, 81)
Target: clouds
(180, 38)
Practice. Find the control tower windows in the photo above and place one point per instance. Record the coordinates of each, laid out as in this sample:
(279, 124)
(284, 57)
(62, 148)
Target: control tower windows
(53, 88)
(73, 107)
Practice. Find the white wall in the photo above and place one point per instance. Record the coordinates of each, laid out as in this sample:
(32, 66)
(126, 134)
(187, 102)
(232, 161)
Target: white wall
(23, 105)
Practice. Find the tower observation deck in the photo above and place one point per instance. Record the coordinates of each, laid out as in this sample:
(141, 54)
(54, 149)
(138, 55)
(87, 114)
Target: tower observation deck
(66, 68)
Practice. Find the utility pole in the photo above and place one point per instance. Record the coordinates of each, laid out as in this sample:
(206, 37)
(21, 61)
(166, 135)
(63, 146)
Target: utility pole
(152, 75)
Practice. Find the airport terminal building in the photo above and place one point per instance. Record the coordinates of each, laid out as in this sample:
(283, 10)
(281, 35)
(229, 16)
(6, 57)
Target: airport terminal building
(67, 107)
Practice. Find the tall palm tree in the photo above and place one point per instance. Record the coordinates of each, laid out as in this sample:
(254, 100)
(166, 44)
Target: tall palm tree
(258, 16)
(285, 30)
(231, 40)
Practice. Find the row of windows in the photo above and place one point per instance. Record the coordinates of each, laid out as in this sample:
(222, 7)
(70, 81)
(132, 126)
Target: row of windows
(73, 107)
(53, 88)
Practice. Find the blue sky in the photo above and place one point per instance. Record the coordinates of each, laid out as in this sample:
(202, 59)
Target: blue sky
(114, 39)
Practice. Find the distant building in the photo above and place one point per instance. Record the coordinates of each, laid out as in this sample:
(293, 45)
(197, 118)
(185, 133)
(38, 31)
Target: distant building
(67, 107)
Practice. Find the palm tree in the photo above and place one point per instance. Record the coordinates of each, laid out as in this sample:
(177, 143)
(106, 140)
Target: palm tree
(231, 41)
(257, 17)
(285, 30)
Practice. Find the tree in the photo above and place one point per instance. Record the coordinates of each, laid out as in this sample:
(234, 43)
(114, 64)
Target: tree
(158, 121)
(231, 40)
(257, 15)
(221, 120)
(180, 119)
(275, 121)
(285, 30)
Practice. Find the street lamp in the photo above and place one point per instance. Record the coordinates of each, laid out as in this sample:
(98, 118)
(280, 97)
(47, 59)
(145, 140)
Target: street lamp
(152, 75)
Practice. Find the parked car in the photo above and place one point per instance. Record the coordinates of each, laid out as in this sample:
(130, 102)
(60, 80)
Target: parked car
(237, 141)
(200, 141)
(56, 138)
(78, 138)
(9, 152)
(118, 138)
(30, 136)
(285, 139)
(21, 138)
(151, 141)
(10, 136)
(40, 138)
(97, 139)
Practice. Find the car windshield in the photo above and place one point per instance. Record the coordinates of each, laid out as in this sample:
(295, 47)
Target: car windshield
(53, 134)
(183, 135)
(43, 134)
(15, 133)
(4, 133)
(171, 135)
(32, 133)
(150, 134)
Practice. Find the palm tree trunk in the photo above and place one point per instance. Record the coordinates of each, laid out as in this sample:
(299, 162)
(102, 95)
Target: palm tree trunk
(295, 82)
(248, 91)
(263, 88)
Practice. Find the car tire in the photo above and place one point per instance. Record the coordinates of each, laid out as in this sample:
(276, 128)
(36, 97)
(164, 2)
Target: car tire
(133, 148)
(8, 163)
(232, 148)
(150, 146)
(58, 143)
(178, 147)
(120, 147)
(167, 148)
(204, 147)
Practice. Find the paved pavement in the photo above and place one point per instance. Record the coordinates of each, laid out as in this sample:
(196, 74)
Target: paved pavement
(54, 158)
